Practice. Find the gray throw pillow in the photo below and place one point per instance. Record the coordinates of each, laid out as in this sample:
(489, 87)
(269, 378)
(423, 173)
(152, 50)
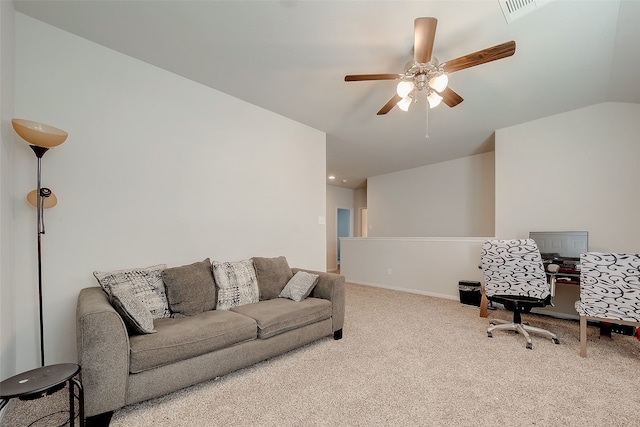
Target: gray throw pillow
(273, 275)
(146, 284)
(300, 286)
(237, 283)
(190, 288)
(135, 315)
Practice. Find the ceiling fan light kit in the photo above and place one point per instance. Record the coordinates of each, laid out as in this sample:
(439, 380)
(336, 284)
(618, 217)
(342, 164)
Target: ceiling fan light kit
(425, 73)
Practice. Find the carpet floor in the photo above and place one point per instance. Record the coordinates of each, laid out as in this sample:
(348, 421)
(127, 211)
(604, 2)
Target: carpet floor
(407, 359)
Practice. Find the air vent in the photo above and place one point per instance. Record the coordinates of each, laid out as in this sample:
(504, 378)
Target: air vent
(516, 9)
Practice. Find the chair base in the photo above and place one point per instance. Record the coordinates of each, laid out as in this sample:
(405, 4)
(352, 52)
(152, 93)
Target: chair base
(503, 325)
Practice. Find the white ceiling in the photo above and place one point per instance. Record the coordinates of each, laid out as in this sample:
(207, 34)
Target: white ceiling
(290, 57)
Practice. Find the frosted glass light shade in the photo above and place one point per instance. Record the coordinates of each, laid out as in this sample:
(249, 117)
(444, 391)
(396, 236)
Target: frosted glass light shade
(405, 103)
(404, 88)
(39, 134)
(434, 100)
(49, 202)
(439, 83)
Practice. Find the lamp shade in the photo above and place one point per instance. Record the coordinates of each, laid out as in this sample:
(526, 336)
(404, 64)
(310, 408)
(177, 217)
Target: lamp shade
(49, 201)
(39, 134)
(434, 99)
(439, 83)
(405, 103)
(404, 88)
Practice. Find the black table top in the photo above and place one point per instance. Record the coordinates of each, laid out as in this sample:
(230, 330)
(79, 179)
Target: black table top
(37, 382)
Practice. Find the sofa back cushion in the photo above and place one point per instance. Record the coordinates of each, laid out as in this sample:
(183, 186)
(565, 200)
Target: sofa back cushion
(190, 288)
(273, 275)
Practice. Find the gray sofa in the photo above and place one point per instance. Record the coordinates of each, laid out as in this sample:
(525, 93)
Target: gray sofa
(120, 368)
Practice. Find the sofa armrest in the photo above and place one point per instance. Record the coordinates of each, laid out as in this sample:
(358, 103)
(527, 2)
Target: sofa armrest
(330, 287)
(103, 352)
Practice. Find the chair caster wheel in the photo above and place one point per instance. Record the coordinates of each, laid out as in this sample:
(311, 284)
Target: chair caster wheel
(555, 340)
(530, 346)
(489, 334)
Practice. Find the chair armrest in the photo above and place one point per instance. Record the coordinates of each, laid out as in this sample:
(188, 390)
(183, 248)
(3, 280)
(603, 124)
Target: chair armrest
(552, 269)
(331, 287)
(103, 352)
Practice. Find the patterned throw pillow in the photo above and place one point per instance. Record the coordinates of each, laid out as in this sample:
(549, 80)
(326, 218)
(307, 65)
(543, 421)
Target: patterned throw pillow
(300, 286)
(237, 283)
(146, 284)
(135, 315)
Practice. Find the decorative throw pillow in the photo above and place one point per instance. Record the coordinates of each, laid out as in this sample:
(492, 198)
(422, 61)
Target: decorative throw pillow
(146, 284)
(135, 315)
(300, 286)
(190, 288)
(273, 275)
(237, 283)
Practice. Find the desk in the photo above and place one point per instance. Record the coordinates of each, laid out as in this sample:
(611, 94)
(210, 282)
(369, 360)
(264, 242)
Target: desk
(41, 382)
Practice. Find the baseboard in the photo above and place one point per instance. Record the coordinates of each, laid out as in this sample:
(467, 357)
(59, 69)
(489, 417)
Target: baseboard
(408, 290)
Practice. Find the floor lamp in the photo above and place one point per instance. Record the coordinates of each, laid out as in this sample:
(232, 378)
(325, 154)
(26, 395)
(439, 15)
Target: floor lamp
(41, 138)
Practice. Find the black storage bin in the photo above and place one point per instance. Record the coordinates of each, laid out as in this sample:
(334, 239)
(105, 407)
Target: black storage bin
(469, 292)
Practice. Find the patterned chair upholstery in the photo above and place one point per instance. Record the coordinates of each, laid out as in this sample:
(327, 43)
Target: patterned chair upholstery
(514, 276)
(609, 291)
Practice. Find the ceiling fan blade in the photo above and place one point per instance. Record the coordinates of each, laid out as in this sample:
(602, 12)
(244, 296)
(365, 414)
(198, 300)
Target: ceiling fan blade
(363, 77)
(450, 98)
(480, 57)
(389, 105)
(424, 33)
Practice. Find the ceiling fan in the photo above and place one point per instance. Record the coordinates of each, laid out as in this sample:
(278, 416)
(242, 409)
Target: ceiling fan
(425, 73)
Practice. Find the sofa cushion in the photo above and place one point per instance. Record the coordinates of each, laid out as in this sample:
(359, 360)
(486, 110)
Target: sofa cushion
(237, 283)
(280, 315)
(273, 274)
(300, 286)
(185, 337)
(190, 288)
(146, 283)
(134, 313)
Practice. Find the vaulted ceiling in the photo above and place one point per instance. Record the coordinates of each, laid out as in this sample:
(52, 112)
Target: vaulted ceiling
(290, 57)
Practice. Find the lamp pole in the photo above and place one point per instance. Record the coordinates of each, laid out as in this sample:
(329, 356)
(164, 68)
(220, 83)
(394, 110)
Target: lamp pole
(41, 193)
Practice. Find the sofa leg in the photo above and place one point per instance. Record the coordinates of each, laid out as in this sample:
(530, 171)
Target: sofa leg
(100, 420)
(337, 335)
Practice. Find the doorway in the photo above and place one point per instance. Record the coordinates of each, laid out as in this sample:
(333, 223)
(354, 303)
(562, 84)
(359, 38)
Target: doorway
(343, 228)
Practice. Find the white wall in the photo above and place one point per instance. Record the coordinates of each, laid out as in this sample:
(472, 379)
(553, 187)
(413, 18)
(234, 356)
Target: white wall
(574, 171)
(156, 169)
(337, 197)
(7, 312)
(453, 198)
(422, 265)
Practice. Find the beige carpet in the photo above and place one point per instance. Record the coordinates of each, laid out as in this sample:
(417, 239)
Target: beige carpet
(407, 359)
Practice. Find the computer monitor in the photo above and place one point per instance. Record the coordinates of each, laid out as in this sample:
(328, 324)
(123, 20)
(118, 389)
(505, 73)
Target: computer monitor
(561, 245)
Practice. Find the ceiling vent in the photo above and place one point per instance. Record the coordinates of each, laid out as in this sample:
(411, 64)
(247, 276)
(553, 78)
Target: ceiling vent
(516, 9)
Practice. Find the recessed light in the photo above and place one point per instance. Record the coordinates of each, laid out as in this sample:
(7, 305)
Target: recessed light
(332, 177)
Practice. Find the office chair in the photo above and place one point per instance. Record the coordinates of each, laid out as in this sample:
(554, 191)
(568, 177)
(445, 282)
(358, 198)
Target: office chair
(609, 291)
(515, 277)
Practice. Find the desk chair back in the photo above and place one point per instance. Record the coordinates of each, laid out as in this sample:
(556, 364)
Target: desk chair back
(610, 286)
(513, 268)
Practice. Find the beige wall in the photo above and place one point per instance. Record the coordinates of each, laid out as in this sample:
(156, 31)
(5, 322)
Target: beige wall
(448, 199)
(7, 259)
(156, 169)
(574, 171)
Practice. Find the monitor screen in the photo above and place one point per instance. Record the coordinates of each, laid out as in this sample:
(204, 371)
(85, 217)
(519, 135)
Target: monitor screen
(561, 244)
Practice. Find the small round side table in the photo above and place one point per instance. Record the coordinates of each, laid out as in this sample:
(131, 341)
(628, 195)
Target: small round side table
(41, 382)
